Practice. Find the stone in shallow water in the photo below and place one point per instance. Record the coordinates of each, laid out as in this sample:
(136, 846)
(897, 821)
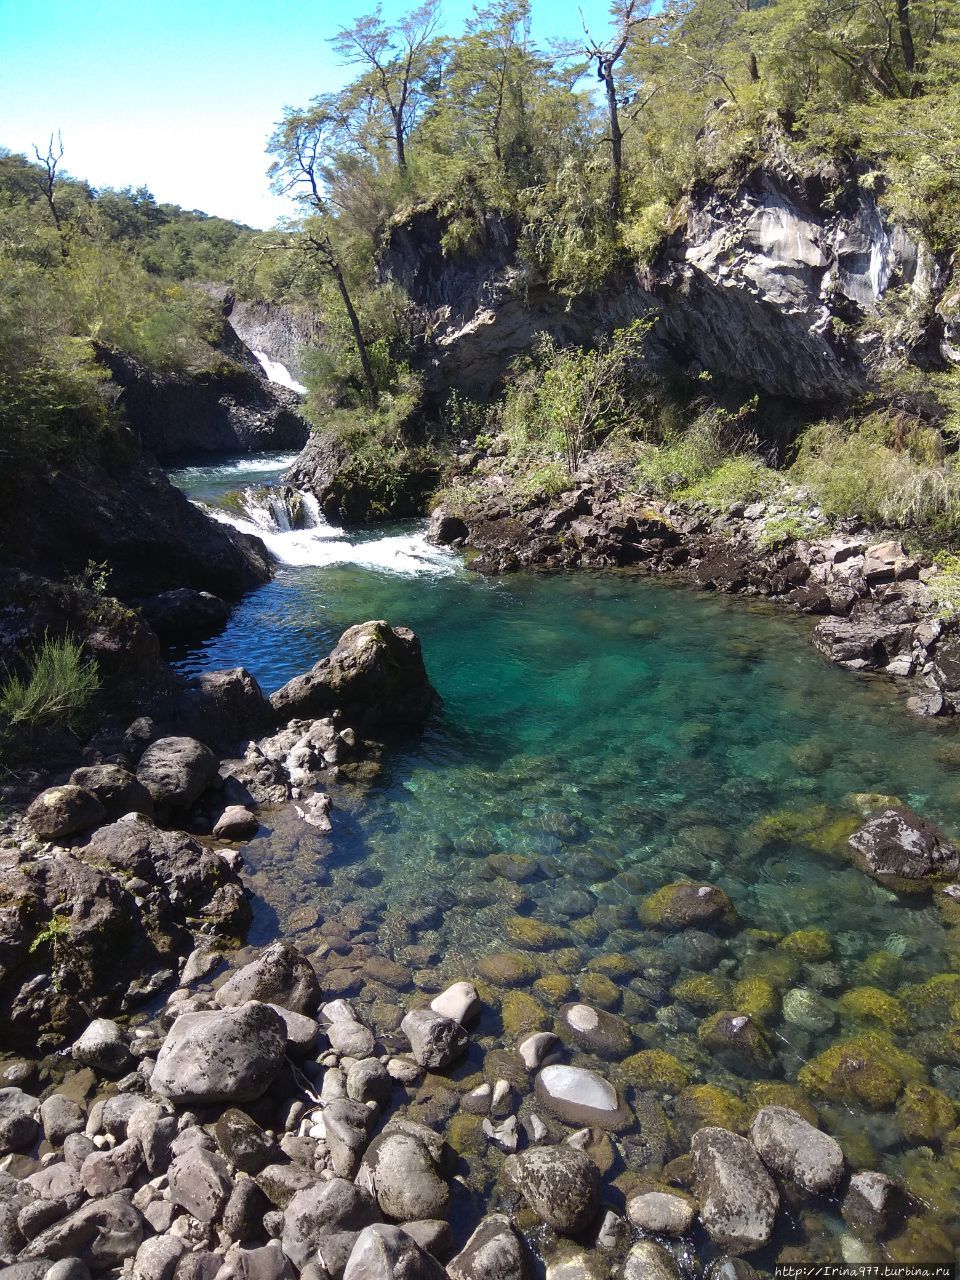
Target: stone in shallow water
(580, 1096)
(805, 1008)
(650, 1261)
(436, 1041)
(793, 1149)
(561, 1185)
(661, 1213)
(900, 849)
(597, 1031)
(459, 1002)
(493, 1252)
(738, 1198)
(873, 1204)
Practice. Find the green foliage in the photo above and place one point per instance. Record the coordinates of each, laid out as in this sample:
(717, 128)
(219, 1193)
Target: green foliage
(797, 525)
(563, 401)
(859, 472)
(58, 687)
(944, 586)
(53, 934)
(713, 461)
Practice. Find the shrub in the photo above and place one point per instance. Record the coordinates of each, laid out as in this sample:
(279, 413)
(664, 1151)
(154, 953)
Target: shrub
(57, 688)
(857, 474)
(713, 462)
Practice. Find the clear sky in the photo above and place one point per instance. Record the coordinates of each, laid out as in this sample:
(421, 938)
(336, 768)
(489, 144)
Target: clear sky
(181, 95)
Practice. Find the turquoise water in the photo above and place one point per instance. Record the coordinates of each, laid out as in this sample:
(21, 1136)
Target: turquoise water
(624, 734)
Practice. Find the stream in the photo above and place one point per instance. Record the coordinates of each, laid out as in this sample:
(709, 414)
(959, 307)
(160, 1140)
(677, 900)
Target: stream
(601, 736)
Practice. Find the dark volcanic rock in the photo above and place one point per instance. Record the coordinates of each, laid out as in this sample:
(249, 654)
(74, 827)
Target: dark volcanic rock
(176, 771)
(225, 708)
(375, 676)
(116, 788)
(232, 409)
(348, 494)
(901, 850)
(279, 975)
(738, 1198)
(62, 811)
(185, 614)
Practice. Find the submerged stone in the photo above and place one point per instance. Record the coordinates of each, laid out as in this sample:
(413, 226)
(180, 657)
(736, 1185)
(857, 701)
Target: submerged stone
(684, 905)
(580, 1096)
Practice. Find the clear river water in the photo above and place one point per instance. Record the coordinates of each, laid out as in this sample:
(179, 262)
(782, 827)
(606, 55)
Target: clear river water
(618, 735)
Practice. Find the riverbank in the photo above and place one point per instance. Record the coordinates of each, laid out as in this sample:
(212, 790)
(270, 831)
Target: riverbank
(880, 608)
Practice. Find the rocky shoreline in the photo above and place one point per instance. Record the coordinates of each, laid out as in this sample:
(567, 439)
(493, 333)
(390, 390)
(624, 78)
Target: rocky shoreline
(321, 1112)
(875, 610)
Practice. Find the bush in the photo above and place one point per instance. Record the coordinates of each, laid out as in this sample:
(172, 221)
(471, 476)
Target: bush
(714, 462)
(857, 474)
(58, 687)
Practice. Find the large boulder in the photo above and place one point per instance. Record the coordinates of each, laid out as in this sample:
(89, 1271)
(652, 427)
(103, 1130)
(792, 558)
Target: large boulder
(115, 787)
(103, 1233)
(389, 1253)
(228, 1056)
(279, 975)
(225, 708)
(903, 851)
(738, 1198)
(578, 1095)
(493, 1252)
(350, 492)
(62, 811)
(200, 1183)
(177, 771)
(18, 1119)
(561, 1185)
(184, 614)
(375, 676)
(318, 1211)
(400, 1172)
(794, 1150)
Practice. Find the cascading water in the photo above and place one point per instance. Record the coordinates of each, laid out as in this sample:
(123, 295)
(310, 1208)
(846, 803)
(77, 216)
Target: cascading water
(294, 530)
(276, 372)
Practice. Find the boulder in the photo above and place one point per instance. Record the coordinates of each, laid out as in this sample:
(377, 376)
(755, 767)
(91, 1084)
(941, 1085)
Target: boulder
(436, 1041)
(648, 1260)
(18, 1119)
(459, 1002)
(493, 1252)
(400, 1171)
(793, 1149)
(561, 1185)
(375, 676)
(578, 1095)
(901, 850)
(347, 1126)
(388, 1253)
(318, 1211)
(738, 1041)
(102, 1047)
(279, 975)
(157, 1258)
(103, 1233)
(115, 787)
(243, 1142)
(873, 1205)
(177, 771)
(224, 708)
(62, 811)
(236, 823)
(351, 1039)
(60, 1117)
(597, 1031)
(185, 614)
(446, 529)
(684, 905)
(738, 1198)
(200, 1183)
(661, 1213)
(231, 1055)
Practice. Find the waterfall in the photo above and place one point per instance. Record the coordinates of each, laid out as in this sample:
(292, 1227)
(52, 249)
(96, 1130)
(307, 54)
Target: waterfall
(291, 525)
(276, 372)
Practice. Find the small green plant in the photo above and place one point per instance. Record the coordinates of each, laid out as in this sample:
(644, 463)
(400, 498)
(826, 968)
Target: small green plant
(793, 526)
(95, 577)
(54, 937)
(548, 480)
(58, 686)
(945, 586)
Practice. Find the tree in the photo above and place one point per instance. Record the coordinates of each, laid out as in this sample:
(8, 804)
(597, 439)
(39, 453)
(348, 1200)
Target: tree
(627, 17)
(399, 60)
(300, 143)
(47, 174)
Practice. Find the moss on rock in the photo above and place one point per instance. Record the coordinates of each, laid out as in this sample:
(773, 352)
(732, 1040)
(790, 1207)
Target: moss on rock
(686, 904)
(757, 997)
(868, 1070)
(872, 1006)
(704, 992)
(925, 1114)
(656, 1070)
(809, 945)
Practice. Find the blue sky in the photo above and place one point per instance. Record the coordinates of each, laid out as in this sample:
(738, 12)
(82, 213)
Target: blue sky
(181, 95)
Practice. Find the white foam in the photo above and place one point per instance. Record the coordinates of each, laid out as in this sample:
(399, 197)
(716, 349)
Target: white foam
(279, 373)
(323, 544)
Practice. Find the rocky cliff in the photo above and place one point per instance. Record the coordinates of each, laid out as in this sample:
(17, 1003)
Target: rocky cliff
(776, 286)
(230, 409)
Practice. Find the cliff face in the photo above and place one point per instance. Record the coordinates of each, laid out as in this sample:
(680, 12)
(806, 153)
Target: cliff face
(229, 410)
(761, 287)
(280, 332)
